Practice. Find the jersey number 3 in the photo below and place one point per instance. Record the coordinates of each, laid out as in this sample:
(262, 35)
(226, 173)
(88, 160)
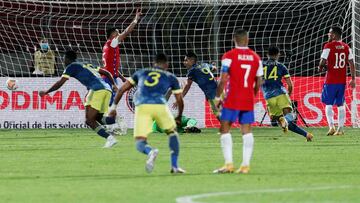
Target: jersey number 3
(154, 77)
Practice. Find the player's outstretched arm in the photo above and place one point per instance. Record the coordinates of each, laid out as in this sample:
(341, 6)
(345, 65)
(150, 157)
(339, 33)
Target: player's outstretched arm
(220, 88)
(184, 92)
(322, 65)
(353, 73)
(168, 94)
(187, 87)
(125, 87)
(111, 78)
(131, 27)
(55, 86)
(213, 66)
(122, 77)
(289, 85)
(180, 104)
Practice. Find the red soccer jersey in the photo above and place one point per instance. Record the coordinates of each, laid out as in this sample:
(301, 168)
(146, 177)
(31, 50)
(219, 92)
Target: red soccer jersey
(337, 54)
(243, 65)
(111, 58)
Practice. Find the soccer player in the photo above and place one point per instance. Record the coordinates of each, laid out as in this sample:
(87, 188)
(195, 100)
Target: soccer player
(335, 57)
(111, 50)
(151, 104)
(98, 97)
(187, 125)
(243, 68)
(202, 75)
(277, 97)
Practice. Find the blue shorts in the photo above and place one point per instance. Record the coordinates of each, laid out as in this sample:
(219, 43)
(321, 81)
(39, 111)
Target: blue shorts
(107, 80)
(244, 117)
(333, 94)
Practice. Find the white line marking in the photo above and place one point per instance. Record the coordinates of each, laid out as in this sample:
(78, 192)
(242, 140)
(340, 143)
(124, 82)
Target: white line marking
(193, 198)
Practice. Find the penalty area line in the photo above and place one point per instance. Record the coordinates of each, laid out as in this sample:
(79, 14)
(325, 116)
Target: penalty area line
(194, 198)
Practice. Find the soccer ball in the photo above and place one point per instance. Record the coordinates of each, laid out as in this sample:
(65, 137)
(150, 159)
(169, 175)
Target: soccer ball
(11, 84)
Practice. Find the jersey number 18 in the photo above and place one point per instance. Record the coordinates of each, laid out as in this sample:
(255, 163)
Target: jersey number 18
(339, 60)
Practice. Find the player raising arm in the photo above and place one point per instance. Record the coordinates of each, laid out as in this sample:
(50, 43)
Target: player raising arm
(336, 55)
(241, 70)
(98, 97)
(111, 50)
(277, 97)
(151, 104)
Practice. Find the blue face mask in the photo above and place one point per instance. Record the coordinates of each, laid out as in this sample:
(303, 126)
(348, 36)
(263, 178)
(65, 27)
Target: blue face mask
(44, 46)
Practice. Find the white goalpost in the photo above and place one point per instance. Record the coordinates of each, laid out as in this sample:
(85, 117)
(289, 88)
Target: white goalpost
(298, 27)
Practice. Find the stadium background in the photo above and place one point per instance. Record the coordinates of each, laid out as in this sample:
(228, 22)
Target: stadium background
(299, 28)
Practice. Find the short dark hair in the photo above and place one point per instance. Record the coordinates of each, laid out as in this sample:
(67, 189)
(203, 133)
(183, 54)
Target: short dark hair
(337, 30)
(161, 58)
(110, 31)
(71, 55)
(192, 55)
(240, 32)
(43, 39)
(273, 51)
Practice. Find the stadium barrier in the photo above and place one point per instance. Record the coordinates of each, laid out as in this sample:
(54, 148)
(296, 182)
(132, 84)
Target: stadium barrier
(24, 108)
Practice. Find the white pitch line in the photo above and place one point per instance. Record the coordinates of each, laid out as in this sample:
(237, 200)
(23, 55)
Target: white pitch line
(193, 198)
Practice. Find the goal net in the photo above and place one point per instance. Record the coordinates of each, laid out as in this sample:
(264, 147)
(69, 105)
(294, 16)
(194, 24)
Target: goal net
(298, 27)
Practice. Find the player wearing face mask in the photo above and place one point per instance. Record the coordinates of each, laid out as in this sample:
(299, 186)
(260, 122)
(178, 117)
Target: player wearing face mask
(44, 59)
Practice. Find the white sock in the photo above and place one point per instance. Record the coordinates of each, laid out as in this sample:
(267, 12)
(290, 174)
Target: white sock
(248, 143)
(329, 115)
(226, 145)
(341, 116)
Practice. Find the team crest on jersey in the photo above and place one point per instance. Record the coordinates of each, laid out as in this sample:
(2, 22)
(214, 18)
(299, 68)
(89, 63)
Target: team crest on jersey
(130, 99)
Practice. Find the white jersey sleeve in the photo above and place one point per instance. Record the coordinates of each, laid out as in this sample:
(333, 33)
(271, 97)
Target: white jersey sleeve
(260, 70)
(351, 56)
(325, 54)
(114, 42)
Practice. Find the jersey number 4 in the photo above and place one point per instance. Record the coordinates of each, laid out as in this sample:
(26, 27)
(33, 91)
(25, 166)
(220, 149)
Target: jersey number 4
(339, 60)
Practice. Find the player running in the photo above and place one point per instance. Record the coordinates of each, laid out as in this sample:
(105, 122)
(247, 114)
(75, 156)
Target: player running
(277, 97)
(98, 97)
(151, 104)
(335, 57)
(241, 71)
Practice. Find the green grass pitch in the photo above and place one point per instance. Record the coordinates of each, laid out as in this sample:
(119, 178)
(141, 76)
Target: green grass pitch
(70, 166)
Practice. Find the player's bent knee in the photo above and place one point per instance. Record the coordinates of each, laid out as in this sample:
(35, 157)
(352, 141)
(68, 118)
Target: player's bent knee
(140, 138)
(170, 131)
(91, 123)
(287, 110)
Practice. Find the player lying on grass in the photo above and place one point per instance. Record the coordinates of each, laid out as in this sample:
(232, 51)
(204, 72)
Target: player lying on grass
(187, 125)
(151, 104)
(277, 97)
(98, 97)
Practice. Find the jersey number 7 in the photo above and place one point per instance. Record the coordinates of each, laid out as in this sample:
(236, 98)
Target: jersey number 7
(247, 73)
